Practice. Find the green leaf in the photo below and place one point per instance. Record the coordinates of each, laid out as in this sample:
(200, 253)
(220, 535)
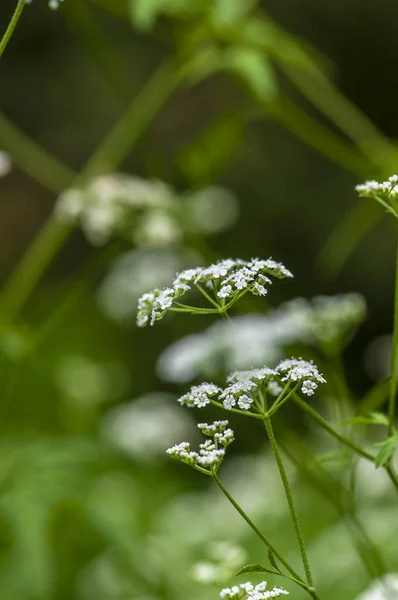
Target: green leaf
(273, 561)
(387, 451)
(145, 12)
(254, 68)
(373, 418)
(251, 569)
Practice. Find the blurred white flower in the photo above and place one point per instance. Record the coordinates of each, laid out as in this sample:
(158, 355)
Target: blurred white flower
(157, 228)
(5, 163)
(131, 274)
(254, 340)
(145, 427)
(225, 558)
(212, 209)
(385, 588)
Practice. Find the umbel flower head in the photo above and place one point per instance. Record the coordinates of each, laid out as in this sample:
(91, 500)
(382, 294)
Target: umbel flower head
(247, 390)
(386, 193)
(211, 452)
(222, 284)
(248, 591)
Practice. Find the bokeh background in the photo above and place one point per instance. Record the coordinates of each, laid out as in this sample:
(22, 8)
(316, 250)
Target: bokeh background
(90, 508)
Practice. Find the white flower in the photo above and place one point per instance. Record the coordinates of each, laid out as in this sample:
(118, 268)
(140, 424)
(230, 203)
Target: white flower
(303, 371)
(228, 278)
(225, 291)
(210, 455)
(386, 192)
(199, 395)
(244, 402)
(250, 592)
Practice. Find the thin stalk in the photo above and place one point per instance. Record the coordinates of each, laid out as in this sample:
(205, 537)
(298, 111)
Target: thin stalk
(327, 427)
(316, 135)
(394, 359)
(33, 159)
(290, 500)
(206, 295)
(246, 413)
(256, 530)
(11, 26)
(108, 156)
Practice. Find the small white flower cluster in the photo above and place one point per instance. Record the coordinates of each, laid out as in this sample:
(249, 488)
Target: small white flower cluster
(243, 385)
(199, 395)
(228, 279)
(248, 591)
(371, 189)
(385, 192)
(118, 204)
(146, 211)
(210, 455)
(303, 371)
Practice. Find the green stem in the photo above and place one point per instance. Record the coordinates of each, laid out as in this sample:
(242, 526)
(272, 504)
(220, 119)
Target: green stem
(33, 159)
(345, 115)
(138, 116)
(327, 427)
(11, 26)
(206, 295)
(245, 413)
(108, 156)
(317, 136)
(290, 500)
(256, 530)
(394, 359)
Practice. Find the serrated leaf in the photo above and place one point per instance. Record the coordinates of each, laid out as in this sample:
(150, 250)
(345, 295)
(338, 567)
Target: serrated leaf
(272, 560)
(251, 569)
(145, 12)
(254, 68)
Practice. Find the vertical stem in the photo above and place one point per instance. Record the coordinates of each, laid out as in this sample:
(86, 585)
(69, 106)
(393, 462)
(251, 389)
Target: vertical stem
(11, 26)
(394, 358)
(289, 497)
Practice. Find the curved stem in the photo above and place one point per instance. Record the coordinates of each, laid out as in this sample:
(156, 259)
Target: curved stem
(11, 26)
(290, 500)
(394, 359)
(256, 530)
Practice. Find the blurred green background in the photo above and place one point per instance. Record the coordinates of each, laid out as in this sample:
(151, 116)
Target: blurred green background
(288, 123)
